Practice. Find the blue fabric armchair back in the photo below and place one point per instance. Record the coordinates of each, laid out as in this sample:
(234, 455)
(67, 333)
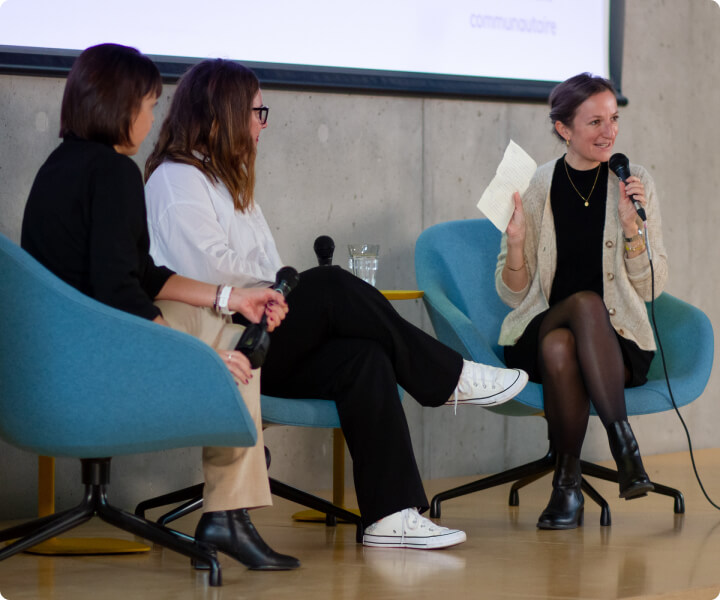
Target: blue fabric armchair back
(455, 267)
(81, 379)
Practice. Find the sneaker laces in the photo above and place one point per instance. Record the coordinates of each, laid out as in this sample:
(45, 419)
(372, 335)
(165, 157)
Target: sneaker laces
(485, 377)
(413, 520)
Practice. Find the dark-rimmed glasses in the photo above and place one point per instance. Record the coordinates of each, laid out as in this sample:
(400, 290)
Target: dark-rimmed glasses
(262, 112)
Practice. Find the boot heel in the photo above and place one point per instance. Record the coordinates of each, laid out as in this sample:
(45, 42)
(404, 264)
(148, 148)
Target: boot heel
(581, 517)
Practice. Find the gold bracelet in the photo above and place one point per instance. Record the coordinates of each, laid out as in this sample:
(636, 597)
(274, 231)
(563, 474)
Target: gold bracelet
(520, 268)
(640, 246)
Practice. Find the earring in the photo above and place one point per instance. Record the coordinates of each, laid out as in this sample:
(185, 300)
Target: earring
(567, 142)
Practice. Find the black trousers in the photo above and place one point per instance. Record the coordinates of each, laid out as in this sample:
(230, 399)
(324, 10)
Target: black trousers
(342, 340)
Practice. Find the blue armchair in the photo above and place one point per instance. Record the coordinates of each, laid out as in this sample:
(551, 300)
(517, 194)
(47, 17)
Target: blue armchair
(80, 379)
(455, 267)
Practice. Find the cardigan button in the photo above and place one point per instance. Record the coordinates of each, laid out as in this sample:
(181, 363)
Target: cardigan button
(621, 332)
(611, 276)
(611, 312)
(609, 243)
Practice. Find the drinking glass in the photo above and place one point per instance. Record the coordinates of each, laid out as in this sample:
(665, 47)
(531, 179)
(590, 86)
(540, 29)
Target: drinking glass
(364, 261)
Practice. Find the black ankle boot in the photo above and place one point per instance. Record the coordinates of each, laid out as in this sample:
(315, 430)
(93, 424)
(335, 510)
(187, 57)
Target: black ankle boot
(232, 532)
(632, 477)
(566, 506)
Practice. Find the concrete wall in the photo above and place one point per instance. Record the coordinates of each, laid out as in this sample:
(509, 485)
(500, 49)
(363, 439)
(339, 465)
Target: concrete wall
(382, 169)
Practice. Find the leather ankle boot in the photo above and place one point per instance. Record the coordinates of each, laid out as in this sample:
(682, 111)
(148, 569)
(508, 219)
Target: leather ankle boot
(566, 506)
(632, 477)
(232, 532)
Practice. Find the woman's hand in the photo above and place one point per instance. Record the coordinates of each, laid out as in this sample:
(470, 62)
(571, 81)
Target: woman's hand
(252, 303)
(626, 210)
(516, 227)
(275, 313)
(238, 364)
(514, 273)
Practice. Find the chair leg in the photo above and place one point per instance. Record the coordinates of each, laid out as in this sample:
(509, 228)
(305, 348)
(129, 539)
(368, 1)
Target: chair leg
(600, 472)
(39, 530)
(520, 476)
(524, 474)
(188, 493)
(288, 492)
(95, 477)
(18, 531)
(169, 538)
(605, 519)
(182, 510)
(514, 497)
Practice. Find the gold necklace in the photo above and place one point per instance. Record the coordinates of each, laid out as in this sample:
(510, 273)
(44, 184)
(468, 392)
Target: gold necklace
(592, 189)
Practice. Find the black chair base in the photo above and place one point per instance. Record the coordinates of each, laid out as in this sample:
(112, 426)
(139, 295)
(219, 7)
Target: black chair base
(95, 477)
(192, 500)
(529, 472)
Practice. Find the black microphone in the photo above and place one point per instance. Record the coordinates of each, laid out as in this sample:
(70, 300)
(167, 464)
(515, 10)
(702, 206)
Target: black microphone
(286, 280)
(620, 165)
(255, 340)
(324, 248)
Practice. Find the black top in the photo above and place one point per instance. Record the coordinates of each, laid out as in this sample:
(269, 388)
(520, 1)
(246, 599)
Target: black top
(578, 229)
(86, 221)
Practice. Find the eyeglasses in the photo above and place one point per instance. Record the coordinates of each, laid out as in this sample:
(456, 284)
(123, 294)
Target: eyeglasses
(262, 112)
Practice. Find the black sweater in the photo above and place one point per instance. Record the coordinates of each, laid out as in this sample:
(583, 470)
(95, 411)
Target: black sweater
(85, 220)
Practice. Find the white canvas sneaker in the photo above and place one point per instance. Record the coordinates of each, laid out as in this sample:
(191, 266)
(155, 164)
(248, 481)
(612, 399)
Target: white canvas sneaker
(487, 386)
(408, 529)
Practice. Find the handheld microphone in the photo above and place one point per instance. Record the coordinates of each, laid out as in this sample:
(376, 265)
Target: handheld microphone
(620, 165)
(285, 281)
(324, 248)
(255, 340)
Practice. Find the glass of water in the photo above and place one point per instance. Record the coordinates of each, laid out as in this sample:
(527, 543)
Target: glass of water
(364, 261)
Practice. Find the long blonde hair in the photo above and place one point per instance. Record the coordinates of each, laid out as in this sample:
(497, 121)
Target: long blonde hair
(208, 126)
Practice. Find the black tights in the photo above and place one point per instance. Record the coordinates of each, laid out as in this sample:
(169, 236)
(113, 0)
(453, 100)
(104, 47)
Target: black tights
(581, 362)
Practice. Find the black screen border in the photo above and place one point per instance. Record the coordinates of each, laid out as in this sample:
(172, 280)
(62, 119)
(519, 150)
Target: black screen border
(55, 62)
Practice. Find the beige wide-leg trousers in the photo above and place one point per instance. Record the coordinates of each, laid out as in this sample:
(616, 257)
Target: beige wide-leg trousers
(234, 477)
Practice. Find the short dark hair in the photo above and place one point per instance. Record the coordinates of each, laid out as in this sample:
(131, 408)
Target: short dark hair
(104, 92)
(571, 93)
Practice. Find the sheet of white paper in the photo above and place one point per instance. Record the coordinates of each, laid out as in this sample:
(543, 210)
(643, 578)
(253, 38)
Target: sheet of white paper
(513, 175)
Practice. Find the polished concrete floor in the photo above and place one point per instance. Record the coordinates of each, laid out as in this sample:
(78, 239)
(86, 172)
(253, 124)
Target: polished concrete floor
(647, 552)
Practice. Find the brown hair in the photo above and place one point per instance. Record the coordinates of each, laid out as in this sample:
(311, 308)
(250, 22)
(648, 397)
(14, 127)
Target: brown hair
(104, 91)
(567, 96)
(210, 115)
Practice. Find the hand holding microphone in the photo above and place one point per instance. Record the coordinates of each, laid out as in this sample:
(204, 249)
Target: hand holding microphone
(620, 165)
(255, 340)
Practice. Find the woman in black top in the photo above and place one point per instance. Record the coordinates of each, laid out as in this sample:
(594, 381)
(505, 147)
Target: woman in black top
(85, 220)
(574, 269)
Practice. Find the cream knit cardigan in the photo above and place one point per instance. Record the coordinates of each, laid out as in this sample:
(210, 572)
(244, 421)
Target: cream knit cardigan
(626, 282)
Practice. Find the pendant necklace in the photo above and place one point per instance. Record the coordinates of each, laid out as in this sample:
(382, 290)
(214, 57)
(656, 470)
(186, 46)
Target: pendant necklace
(586, 200)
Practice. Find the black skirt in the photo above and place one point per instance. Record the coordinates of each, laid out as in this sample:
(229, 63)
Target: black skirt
(524, 355)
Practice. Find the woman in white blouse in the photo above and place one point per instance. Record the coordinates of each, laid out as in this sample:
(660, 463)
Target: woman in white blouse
(341, 340)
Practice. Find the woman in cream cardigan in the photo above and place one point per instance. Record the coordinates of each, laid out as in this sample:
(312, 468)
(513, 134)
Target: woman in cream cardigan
(574, 267)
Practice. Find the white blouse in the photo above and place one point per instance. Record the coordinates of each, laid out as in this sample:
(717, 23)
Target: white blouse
(196, 231)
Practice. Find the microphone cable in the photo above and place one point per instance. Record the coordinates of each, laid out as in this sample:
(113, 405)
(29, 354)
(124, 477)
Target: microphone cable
(664, 364)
